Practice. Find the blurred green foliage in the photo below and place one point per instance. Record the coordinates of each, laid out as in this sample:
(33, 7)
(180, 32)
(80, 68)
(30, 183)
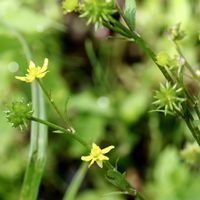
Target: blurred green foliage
(175, 180)
(104, 87)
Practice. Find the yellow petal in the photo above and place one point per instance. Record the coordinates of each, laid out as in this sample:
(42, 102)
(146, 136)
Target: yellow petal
(21, 78)
(99, 163)
(86, 158)
(92, 162)
(31, 64)
(102, 157)
(45, 65)
(41, 75)
(95, 147)
(107, 149)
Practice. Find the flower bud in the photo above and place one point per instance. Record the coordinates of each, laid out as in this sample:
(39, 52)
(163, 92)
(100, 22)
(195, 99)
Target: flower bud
(162, 58)
(191, 153)
(175, 33)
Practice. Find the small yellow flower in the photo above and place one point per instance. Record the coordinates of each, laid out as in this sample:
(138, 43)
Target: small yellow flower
(34, 72)
(97, 155)
(162, 58)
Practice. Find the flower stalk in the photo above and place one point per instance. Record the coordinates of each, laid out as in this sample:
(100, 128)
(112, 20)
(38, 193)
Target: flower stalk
(59, 129)
(52, 102)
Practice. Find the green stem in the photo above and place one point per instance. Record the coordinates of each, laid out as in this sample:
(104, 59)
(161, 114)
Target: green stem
(189, 67)
(196, 107)
(117, 30)
(61, 129)
(119, 180)
(72, 190)
(195, 132)
(143, 44)
(52, 102)
(140, 41)
(191, 101)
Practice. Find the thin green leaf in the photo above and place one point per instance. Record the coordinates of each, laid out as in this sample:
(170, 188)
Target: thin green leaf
(71, 191)
(57, 131)
(37, 154)
(129, 12)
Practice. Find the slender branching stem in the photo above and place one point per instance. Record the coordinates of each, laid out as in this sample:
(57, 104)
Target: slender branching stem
(187, 116)
(52, 102)
(187, 64)
(62, 130)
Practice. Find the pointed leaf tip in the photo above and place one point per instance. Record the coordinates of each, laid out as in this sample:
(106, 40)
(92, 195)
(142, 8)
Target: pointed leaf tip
(129, 12)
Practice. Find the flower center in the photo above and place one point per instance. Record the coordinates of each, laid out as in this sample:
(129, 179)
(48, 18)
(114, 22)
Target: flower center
(96, 153)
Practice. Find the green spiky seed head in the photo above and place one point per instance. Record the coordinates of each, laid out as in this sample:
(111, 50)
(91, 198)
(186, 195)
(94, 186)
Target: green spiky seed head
(69, 5)
(97, 11)
(169, 98)
(18, 113)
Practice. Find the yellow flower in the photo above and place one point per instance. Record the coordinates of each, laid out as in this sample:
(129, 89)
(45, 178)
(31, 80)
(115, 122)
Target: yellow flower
(34, 72)
(162, 58)
(97, 155)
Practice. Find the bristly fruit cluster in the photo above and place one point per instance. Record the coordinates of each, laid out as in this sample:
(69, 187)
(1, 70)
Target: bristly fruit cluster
(169, 99)
(18, 114)
(95, 11)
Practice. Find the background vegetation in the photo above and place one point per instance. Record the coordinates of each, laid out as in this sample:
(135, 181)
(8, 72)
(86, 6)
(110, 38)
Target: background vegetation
(105, 87)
